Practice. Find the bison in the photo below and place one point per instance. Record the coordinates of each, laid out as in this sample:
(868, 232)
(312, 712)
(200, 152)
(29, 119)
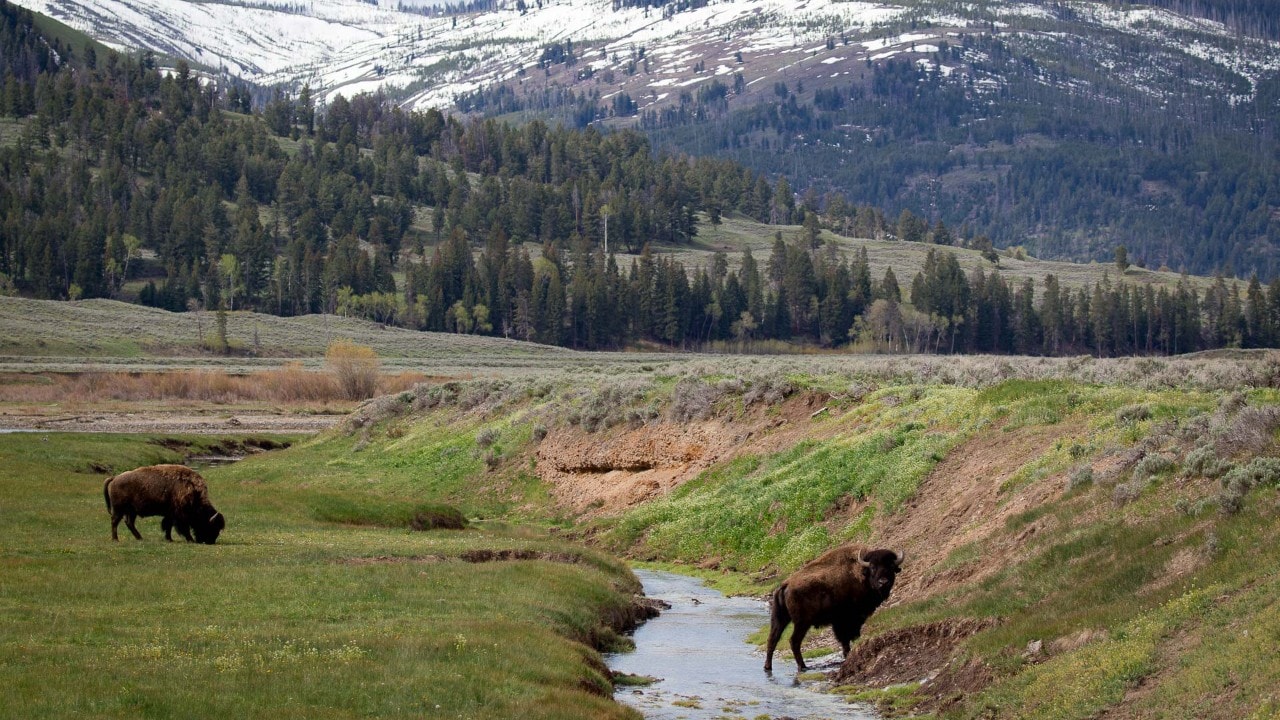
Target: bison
(840, 588)
(175, 492)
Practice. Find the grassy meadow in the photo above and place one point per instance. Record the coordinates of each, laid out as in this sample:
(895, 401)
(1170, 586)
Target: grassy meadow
(1132, 542)
(1117, 514)
(292, 613)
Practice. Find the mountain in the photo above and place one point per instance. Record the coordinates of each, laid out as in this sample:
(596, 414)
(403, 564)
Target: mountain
(1065, 127)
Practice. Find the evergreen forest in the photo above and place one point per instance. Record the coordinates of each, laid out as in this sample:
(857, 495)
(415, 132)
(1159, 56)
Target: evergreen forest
(119, 179)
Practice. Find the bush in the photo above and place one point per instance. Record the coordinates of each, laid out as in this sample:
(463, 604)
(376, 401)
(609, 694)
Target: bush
(1204, 462)
(486, 437)
(1251, 431)
(355, 367)
(692, 399)
(492, 458)
(1081, 477)
(1127, 492)
(1130, 414)
(1153, 465)
(1263, 471)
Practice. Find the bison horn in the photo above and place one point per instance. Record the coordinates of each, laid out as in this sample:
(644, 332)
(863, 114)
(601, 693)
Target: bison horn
(900, 557)
(214, 516)
(863, 562)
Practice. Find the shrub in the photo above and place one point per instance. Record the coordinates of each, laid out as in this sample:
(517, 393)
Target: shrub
(1237, 483)
(1251, 431)
(486, 437)
(539, 432)
(692, 399)
(1081, 477)
(492, 458)
(355, 367)
(1130, 414)
(1204, 462)
(1152, 465)
(1127, 492)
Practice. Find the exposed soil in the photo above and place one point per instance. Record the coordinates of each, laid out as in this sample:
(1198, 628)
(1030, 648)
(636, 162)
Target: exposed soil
(923, 654)
(175, 423)
(960, 503)
(606, 472)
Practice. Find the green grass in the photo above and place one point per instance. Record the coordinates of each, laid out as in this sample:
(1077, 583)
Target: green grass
(287, 616)
(737, 233)
(776, 512)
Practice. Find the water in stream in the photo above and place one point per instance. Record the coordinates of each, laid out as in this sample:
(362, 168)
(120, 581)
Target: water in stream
(698, 648)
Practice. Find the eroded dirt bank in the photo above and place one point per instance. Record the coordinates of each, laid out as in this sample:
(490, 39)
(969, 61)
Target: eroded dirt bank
(608, 472)
(967, 499)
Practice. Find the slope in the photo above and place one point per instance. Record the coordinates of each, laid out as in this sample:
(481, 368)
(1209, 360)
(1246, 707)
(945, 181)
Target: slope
(1078, 533)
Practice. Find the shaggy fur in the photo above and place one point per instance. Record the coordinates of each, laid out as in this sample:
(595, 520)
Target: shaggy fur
(840, 588)
(175, 492)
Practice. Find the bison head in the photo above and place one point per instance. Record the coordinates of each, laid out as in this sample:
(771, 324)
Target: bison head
(880, 568)
(207, 531)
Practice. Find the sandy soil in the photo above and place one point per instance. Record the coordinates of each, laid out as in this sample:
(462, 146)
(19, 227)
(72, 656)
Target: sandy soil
(608, 472)
(212, 423)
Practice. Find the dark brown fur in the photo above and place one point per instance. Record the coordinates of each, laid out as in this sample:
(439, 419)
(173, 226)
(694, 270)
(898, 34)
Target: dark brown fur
(175, 492)
(833, 589)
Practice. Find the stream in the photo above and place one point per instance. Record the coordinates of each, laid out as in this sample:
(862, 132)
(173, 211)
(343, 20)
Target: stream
(699, 650)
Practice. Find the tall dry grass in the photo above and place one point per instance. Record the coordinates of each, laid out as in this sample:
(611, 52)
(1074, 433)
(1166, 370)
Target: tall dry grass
(288, 384)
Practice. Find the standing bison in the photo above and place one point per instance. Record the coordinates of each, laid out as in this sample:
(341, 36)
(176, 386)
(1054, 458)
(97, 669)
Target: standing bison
(840, 588)
(175, 492)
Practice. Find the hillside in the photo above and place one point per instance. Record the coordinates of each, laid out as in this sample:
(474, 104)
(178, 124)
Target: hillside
(1086, 537)
(126, 181)
(1068, 129)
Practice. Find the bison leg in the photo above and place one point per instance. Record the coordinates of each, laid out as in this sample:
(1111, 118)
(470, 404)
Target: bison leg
(128, 521)
(166, 524)
(776, 626)
(779, 619)
(184, 529)
(115, 521)
(846, 633)
(797, 638)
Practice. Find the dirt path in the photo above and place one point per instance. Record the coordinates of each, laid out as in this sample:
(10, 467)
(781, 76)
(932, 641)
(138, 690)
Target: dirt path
(177, 423)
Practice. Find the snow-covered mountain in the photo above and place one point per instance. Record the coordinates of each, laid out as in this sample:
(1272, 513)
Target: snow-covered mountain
(350, 46)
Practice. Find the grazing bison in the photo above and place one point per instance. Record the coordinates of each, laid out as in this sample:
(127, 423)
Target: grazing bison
(175, 492)
(840, 588)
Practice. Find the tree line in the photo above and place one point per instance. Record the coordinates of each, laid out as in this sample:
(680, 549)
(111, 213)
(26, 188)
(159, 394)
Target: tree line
(125, 181)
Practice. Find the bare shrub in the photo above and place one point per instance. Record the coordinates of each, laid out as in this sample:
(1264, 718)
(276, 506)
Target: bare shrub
(355, 367)
(292, 383)
(769, 389)
(1232, 403)
(731, 386)
(1251, 431)
(1127, 492)
(692, 399)
(492, 458)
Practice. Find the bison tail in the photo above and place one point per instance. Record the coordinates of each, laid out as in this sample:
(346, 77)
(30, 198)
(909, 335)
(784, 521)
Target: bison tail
(780, 614)
(106, 492)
